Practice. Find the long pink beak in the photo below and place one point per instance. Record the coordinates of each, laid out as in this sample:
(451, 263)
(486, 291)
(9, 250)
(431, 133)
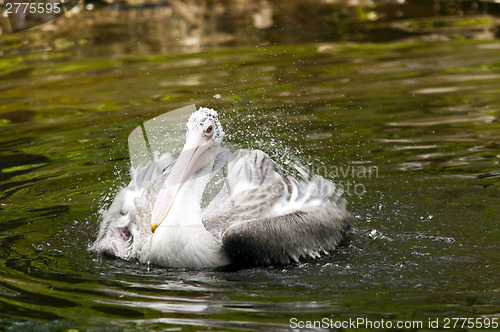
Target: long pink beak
(193, 157)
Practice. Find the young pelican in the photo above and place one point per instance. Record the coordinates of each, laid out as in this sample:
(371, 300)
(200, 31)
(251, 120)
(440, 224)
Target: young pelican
(260, 216)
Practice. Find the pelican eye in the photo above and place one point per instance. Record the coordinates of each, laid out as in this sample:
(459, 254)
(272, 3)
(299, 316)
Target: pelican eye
(209, 130)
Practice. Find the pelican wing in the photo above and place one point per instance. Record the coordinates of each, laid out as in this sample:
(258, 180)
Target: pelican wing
(263, 217)
(125, 227)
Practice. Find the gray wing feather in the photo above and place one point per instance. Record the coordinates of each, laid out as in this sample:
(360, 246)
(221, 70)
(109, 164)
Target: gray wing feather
(263, 218)
(125, 226)
(284, 239)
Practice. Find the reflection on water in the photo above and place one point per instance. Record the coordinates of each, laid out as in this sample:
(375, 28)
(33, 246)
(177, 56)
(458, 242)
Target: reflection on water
(424, 113)
(151, 27)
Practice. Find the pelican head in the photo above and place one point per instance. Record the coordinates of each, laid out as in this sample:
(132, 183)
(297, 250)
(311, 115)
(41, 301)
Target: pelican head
(203, 135)
(206, 123)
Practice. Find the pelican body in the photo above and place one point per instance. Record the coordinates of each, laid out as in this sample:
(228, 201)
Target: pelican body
(259, 217)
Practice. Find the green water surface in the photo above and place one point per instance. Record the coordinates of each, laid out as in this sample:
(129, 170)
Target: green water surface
(410, 128)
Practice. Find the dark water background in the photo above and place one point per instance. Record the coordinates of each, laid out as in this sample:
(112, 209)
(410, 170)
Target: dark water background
(399, 103)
